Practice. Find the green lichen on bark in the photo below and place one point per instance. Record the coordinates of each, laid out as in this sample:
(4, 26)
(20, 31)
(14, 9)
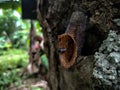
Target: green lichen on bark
(107, 61)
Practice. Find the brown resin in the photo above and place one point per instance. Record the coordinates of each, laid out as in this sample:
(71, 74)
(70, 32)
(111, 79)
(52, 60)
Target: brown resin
(71, 42)
(67, 41)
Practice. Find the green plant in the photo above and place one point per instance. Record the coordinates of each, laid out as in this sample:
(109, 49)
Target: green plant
(4, 44)
(20, 38)
(36, 88)
(8, 22)
(13, 58)
(13, 31)
(44, 60)
(10, 63)
(9, 77)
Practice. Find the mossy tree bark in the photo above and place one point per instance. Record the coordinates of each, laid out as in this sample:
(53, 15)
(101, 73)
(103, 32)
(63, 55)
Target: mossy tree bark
(54, 17)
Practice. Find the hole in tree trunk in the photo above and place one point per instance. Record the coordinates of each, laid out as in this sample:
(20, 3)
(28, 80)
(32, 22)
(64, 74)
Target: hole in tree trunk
(93, 40)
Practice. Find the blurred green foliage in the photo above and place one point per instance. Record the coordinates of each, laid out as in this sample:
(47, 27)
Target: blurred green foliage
(13, 58)
(8, 22)
(45, 60)
(14, 41)
(4, 43)
(13, 34)
(10, 63)
(7, 4)
(36, 88)
(13, 31)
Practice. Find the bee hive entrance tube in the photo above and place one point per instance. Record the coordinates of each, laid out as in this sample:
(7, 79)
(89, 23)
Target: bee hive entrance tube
(67, 49)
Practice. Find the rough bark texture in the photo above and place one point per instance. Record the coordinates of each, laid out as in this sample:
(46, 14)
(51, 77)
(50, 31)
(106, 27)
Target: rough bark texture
(79, 76)
(54, 16)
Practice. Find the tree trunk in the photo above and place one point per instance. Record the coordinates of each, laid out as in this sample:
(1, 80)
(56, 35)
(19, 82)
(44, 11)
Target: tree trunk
(82, 25)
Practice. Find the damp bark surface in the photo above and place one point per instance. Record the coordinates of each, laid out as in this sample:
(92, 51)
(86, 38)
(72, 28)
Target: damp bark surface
(55, 17)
